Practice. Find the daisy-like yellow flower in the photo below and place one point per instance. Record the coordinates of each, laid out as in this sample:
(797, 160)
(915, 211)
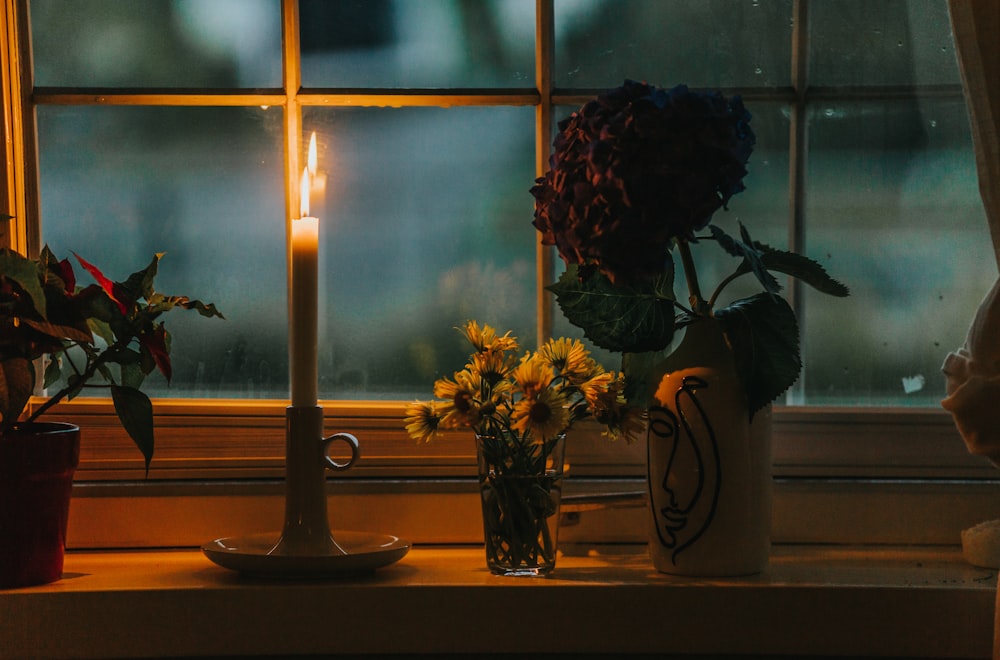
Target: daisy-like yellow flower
(570, 358)
(493, 367)
(461, 402)
(606, 399)
(533, 375)
(598, 391)
(621, 421)
(544, 415)
(422, 420)
(485, 338)
(487, 396)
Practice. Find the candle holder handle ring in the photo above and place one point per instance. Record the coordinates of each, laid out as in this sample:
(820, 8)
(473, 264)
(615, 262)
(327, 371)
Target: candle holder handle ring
(351, 442)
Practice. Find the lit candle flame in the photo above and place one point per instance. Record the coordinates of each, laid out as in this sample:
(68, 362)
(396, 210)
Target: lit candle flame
(304, 194)
(312, 158)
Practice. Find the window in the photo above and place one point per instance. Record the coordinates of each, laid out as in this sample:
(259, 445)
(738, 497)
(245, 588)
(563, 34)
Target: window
(180, 127)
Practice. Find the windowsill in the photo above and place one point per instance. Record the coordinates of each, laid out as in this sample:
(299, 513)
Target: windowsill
(812, 600)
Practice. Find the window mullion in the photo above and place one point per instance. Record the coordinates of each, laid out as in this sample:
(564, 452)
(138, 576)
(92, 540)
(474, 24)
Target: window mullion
(20, 171)
(797, 154)
(544, 55)
(292, 81)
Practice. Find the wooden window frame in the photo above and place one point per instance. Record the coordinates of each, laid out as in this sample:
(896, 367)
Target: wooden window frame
(856, 451)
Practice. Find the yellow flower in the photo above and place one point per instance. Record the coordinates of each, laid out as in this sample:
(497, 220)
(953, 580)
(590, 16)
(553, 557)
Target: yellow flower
(621, 421)
(493, 367)
(461, 403)
(570, 358)
(544, 415)
(538, 395)
(485, 338)
(422, 421)
(533, 375)
(598, 390)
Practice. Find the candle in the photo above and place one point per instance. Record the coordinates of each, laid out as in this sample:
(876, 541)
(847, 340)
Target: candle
(303, 333)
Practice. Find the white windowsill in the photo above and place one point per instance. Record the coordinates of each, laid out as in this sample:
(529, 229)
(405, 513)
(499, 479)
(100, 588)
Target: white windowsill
(812, 600)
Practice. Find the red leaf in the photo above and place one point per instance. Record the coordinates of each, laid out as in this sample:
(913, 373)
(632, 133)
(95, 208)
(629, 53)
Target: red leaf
(106, 284)
(67, 275)
(156, 344)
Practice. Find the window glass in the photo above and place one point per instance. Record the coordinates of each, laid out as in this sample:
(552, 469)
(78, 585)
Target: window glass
(430, 44)
(156, 43)
(762, 207)
(203, 185)
(891, 42)
(894, 211)
(425, 212)
(710, 43)
(425, 223)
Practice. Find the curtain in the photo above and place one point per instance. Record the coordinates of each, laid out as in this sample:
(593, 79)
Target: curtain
(973, 371)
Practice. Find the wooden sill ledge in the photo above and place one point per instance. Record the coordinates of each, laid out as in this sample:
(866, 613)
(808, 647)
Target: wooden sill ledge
(812, 600)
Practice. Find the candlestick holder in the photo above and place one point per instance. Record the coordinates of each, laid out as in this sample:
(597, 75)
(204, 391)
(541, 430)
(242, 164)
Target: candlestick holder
(306, 547)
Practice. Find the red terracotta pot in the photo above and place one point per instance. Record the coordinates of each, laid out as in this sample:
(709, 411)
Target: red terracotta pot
(36, 479)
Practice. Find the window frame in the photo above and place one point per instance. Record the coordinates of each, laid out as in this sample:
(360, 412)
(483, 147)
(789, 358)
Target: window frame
(238, 440)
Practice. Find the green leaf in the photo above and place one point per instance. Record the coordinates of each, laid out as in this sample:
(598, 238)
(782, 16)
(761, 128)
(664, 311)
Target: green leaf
(98, 307)
(132, 374)
(762, 256)
(140, 283)
(25, 273)
(765, 339)
(159, 303)
(101, 329)
(752, 258)
(53, 371)
(804, 269)
(632, 318)
(74, 385)
(638, 368)
(208, 310)
(135, 411)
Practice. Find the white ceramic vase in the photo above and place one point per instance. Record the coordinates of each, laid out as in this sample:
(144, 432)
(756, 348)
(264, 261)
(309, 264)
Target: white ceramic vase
(708, 463)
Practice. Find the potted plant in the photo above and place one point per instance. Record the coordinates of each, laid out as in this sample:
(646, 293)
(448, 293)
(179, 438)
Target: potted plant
(635, 178)
(519, 406)
(57, 334)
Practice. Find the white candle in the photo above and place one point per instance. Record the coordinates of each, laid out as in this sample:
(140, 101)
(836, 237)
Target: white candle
(303, 333)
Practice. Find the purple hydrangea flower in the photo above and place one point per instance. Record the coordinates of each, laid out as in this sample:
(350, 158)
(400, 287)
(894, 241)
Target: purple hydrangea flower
(636, 168)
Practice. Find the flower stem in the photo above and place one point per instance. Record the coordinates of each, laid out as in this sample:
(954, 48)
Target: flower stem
(698, 303)
(61, 394)
(722, 285)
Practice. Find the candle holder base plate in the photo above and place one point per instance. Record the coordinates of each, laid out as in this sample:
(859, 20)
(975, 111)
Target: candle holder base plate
(253, 556)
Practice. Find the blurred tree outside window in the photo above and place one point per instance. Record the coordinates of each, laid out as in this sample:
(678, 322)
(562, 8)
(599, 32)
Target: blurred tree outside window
(425, 212)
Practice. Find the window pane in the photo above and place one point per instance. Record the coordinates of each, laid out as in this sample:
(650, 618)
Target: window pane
(710, 43)
(425, 223)
(762, 207)
(426, 44)
(157, 43)
(890, 42)
(894, 211)
(204, 185)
